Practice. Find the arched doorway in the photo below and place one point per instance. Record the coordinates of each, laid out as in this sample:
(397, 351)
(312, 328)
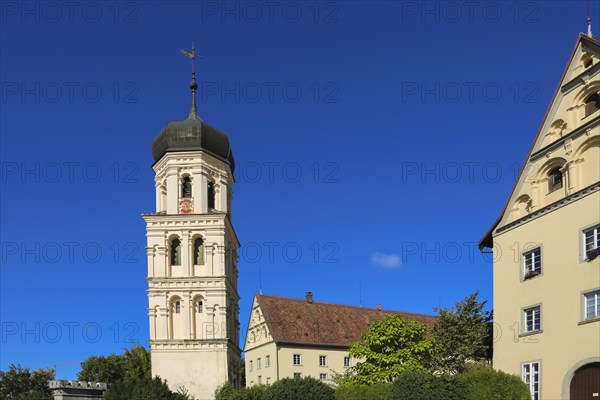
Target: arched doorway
(585, 384)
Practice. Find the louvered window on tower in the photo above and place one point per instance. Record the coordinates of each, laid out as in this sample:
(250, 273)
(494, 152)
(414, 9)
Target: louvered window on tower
(186, 188)
(211, 195)
(198, 251)
(176, 252)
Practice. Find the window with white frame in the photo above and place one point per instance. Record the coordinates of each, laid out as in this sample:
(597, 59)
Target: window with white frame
(346, 362)
(592, 304)
(532, 263)
(591, 242)
(258, 363)
(251, 365)
(322, 361)
(260, 379)
(267, 361)
(530, 373)
(297, 375)
(322, 377)
(531, 319)
(297, 359)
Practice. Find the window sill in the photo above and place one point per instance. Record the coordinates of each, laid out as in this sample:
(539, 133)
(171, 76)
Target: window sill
(589, 321)
(531, 333)
(530, 277)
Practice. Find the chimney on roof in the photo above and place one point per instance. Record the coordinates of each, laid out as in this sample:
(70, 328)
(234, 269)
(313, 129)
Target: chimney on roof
(378, 307)
(309, 297)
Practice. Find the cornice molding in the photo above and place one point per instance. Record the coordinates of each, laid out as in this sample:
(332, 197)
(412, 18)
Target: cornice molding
(580, 79)
(549, 208)
(560, 142)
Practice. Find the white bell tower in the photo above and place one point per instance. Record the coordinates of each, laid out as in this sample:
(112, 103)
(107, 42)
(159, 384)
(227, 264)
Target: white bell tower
(192, 258)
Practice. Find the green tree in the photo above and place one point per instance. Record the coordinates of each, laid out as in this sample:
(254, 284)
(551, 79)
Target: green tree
(134, 363)
(465, 333)
(106, 369)
(20, 383)
(141, 388)
(389, 347)
(129, 376)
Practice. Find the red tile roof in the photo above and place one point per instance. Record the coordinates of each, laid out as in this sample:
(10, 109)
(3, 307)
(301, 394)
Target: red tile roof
(300, 322)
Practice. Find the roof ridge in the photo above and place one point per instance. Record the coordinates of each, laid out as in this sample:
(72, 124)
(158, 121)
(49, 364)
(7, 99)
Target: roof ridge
(346, 305)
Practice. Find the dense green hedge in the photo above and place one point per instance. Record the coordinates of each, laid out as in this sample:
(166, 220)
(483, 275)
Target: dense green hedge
(299, 389)
(377, 391)
(416, 385)
(475, 385)
(285, 389)
(493, 385)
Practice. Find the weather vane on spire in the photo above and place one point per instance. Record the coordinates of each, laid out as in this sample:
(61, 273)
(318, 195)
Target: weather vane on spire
(193, 85)
(191, 55)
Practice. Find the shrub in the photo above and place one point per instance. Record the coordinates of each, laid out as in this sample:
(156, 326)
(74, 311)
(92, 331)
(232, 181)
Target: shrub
(141, 389)
(225, 392)
(228, 392)
(299, 389)
(490, 384)
(417, 385)
(377, 391)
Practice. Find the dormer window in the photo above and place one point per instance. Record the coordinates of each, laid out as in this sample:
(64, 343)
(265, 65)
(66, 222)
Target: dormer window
(592, 104)
(186, 188)
(210, 192)
(555, 180)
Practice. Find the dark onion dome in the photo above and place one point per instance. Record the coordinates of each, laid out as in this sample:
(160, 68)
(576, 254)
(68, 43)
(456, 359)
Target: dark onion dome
(193, 134)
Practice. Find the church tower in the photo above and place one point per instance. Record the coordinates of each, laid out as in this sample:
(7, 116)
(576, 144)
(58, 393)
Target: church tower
(192, 258)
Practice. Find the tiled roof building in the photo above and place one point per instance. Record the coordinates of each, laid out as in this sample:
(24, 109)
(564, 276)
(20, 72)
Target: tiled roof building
(292, 337)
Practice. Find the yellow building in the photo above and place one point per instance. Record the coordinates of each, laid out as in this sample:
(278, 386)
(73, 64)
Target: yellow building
(299, 338)
(546, 243)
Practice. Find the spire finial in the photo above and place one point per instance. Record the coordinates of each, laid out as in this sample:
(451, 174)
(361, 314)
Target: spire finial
(193, 85)
(589, 20)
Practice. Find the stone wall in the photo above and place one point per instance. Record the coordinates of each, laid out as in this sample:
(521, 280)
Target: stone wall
(77, 390)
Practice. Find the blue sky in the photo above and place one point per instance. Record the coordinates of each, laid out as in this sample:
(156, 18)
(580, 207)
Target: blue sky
(375, 143)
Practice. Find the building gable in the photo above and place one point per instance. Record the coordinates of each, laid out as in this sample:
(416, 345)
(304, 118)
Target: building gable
(560, 161)
(258, 332)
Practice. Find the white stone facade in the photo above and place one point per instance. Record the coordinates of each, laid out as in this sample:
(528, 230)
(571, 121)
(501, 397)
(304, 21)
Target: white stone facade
(192, 274)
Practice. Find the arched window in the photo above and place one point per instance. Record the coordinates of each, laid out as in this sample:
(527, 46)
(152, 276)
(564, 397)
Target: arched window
(555, 180)
(177, 307)
(199, 307)
(592, 104)
(175, 252)
(186, 188)
(210, 192)
(198, 251)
